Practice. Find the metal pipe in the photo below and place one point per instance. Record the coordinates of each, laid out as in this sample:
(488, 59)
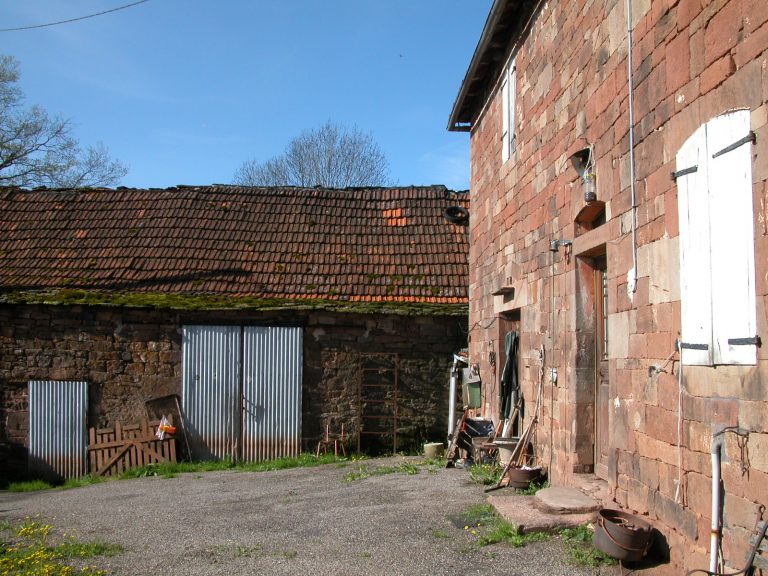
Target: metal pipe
(633, 281)
(452, 396)
(714, 541)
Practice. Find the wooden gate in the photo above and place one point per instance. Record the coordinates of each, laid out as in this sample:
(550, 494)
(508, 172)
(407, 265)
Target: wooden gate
(112, 451)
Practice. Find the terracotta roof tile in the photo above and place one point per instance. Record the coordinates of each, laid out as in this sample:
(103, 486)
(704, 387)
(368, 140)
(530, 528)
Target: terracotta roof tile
(378, 244)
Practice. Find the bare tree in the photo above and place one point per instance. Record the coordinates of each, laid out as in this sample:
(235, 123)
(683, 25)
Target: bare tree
(331, 156)
(38, 150)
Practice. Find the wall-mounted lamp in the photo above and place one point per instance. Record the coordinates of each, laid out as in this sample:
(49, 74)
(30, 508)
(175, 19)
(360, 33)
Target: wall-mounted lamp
(584, 164)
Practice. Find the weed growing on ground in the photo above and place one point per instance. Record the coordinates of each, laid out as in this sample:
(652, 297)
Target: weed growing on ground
(171, 469)
(581, 550)
(240, 551)
(29, 486)
(30, 552)
(485, 525)
(363, 471)
(533, 487)
(485, 474)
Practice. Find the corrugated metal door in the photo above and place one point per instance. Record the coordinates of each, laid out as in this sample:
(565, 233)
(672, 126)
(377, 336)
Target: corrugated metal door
(58, 438)
(249, 410)
(272, 392)
(210, 389)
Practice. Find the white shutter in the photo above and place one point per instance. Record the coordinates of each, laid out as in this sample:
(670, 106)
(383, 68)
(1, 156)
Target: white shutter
(732, 238)
(505, 118)
(695, 270)
(512, 104)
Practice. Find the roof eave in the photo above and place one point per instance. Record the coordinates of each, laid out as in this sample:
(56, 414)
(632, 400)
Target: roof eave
(504, 14)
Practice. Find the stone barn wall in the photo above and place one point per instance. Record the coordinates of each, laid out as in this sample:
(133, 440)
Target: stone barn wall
(129, 356)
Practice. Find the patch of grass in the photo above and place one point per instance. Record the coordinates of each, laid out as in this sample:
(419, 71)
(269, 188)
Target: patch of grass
(290, 554)
(171, 469)
(439, 534)
(83, 481)
(37, 485)
(485, 474)
(29, 486)
(533, 487)
(74, 549)
(581, 550)
(249, 551)
(485, 525)
(363, 471)
(28, 551)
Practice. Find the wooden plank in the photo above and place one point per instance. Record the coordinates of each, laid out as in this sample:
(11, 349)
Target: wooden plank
(695, 270)
(732, 241)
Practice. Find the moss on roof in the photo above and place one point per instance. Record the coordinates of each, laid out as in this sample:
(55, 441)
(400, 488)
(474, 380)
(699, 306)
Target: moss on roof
(196, 302)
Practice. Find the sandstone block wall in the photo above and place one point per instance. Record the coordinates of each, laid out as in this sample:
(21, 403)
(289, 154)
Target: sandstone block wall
(693, 60)
(129, 356)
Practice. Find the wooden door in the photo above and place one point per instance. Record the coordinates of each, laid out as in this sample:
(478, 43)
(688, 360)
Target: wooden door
(601, 369)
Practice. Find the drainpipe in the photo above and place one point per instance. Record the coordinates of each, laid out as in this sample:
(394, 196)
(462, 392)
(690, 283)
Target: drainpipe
(632, 276)
(452, 395)
(714, 543)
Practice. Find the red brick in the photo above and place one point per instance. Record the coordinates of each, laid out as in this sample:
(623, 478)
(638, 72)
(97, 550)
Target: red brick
(722, 31)
(696, 48)
(753, 45)
(739, 511)
(699, 493)
(678, 62)
(716, 73)
(661, 424)
(687, 10)
(660, 345)
(755, 14)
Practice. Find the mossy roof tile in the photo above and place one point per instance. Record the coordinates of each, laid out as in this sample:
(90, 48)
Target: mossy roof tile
(270, 243)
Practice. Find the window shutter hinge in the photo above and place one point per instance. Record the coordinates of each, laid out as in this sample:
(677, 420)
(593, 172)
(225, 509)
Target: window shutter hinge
(689, 346)
(748, 138)
(752, 341)
(683, 172)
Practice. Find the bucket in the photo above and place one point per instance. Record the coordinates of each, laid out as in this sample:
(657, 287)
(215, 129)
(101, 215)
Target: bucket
(433, 450)
(522, 477)
(622, 535)
(506, 447)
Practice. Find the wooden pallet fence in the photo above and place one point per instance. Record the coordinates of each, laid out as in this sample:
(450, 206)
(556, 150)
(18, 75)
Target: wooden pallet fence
(112, 451)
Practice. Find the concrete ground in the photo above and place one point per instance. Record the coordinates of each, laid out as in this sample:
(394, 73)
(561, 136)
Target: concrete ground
(301, 521)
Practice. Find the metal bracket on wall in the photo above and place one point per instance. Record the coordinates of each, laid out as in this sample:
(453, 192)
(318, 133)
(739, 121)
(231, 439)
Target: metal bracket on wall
(748, 138)
(689, 346)
(751, 341)
(683, 172)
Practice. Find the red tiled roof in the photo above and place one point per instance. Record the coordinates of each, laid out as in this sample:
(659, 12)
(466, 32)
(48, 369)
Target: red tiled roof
(377, 245)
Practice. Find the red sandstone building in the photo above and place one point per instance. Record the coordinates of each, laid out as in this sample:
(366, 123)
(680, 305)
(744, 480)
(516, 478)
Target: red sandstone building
(618, 192)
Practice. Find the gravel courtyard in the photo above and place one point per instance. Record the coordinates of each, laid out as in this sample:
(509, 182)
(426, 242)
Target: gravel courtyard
(299, 521)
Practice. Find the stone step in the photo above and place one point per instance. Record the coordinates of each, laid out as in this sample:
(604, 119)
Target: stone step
(564, 500)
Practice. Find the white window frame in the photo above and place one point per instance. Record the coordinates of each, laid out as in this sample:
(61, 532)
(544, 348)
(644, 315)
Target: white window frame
(717, 243)
(508, 116)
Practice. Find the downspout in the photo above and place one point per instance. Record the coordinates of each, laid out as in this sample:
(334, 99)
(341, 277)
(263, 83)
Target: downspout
(714, 541)
(452, 396)
(632, 275)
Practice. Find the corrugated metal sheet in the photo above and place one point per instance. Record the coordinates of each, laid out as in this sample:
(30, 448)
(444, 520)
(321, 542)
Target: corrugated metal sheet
(253, 414)
(210, 389)
(272, 392)
(58, 441)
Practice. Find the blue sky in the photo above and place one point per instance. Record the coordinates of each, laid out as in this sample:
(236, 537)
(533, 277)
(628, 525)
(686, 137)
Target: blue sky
(184, 91)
